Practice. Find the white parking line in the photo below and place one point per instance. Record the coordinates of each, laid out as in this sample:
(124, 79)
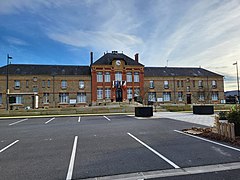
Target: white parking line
(71, 164)
(79, 119)
(8, 146)
(18, 122)
(50, 120)
(155, 152)
(107, 118)
(226, 146)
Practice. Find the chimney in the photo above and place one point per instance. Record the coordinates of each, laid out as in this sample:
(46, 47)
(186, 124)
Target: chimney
(91, 57)
(136, 57)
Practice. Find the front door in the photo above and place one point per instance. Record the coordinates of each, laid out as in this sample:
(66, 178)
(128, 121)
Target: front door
(189, 101)
(118, 95)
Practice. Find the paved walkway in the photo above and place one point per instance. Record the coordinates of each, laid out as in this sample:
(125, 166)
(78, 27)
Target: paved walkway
(206, 120)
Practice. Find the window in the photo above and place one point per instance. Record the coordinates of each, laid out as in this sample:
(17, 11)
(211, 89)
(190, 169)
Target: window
(180, 96)
(0, 98)
(188, 79)
(118, 76)
(136, 77)
(43, 83)
(179, 83)
(214, 96)
(107, 93)
(200, 84)
(152, 96)
(214, 84)
(129, 93)
(136, 92)
(129, 77)
(166, 96)
(99, 93)
(27, 83)
(19, 99)
(45, 98)
(107, 77)
(166, 86)
(201, 96)
(48, 84)
(17, 84)
(81, 97)
(35, 88)
(64, 84)
(99, 77)
(151, 84)
(63, 97)
(188, 88)
(81, 84)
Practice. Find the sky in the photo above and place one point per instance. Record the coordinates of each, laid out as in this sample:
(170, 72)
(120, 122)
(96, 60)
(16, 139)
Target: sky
(174, 33)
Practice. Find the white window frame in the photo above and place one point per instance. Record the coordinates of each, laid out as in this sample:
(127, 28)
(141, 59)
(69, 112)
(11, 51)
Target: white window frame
(64, 84)
(152, 97)
(63, 98)
(136, 76)
(99, 77)
(107, 77)
(151, 84)
(166, 84)
(99, 93)
(17, 84)
(118, 76)
(81, 84)
(166, 96)
(81, 97)
(180, 96)
(129, 76)
(19, 99)
(136, 92)
(215, 96)
(214, 84)
(107, 93)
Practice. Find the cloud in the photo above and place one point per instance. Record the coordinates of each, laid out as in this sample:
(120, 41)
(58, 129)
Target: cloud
(15, 41)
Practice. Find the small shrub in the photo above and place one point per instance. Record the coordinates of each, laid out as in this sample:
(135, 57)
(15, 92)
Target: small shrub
(234, 115)
(222, 115)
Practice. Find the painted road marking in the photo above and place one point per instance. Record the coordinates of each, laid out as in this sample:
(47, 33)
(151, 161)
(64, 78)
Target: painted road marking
(155, 152)
(107, 118)
(213, 142)
(79, 119)
(71, 164)
(18, 122)
(173, 172)
(8, 146)
(50, 120)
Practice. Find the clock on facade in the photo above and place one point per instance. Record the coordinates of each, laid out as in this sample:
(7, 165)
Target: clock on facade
(118, 62)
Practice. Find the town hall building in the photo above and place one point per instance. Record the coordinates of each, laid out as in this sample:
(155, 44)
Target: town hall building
(114, 77)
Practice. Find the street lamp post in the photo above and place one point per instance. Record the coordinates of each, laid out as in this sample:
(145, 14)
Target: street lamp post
(237, 79)
(7, 89)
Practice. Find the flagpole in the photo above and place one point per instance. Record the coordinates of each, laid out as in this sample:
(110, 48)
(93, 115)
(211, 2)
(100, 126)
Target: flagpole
(237, 79)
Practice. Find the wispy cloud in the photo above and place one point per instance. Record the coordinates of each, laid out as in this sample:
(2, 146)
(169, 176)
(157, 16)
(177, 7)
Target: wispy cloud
(15, 41)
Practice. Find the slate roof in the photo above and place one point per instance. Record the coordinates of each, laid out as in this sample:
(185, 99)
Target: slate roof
(29, 69)
(178, 71)
(107, 59)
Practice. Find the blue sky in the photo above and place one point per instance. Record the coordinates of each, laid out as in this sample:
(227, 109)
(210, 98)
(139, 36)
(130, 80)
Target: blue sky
(183, 32)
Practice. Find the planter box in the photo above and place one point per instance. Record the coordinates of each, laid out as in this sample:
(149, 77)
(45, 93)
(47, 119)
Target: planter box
(208, 109)
(237, 129)
(143, 111)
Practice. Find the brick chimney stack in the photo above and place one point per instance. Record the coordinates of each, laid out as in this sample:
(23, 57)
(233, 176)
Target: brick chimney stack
(91, 58)
(136, 57)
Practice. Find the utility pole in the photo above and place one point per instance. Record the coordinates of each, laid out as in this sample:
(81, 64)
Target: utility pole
(7, 88)
(237, 80)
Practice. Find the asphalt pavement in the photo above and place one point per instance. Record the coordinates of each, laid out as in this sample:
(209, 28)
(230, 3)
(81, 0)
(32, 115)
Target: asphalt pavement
(109, 147)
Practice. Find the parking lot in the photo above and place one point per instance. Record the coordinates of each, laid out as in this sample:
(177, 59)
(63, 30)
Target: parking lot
(115, 147)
